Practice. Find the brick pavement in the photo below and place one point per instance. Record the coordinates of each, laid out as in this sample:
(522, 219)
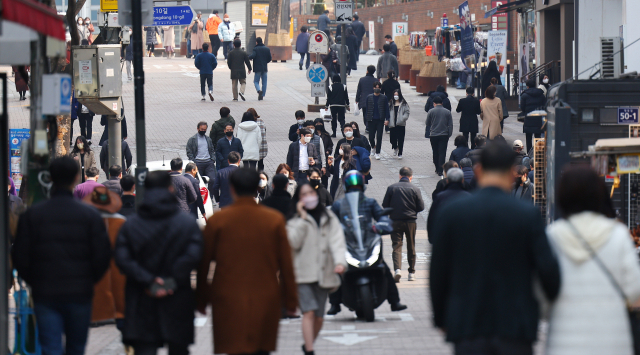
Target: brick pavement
(173, 108)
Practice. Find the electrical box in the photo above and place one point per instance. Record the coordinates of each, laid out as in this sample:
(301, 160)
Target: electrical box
(56, 94)
(97, 77)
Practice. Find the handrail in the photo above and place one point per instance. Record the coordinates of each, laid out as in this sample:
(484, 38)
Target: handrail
(540, 69)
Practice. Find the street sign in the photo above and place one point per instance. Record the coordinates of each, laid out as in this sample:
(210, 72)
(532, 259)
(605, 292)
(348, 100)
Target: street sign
(317, 73)
(627, 115)
(318, 42)
(318, 89)
(399, 29)
(108, 5)
(181, 15)
(344, 12)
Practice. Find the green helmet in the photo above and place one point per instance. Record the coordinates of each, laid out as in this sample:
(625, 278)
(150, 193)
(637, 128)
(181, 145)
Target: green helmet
(353, 178)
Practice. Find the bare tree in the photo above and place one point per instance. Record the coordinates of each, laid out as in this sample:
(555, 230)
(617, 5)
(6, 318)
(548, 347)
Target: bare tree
(73, 8)
(272, 19)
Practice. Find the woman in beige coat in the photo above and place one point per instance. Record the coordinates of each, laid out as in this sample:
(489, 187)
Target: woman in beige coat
(197, 38)
(169, 41)
(491, 113)
(83, 155)
(318, 246)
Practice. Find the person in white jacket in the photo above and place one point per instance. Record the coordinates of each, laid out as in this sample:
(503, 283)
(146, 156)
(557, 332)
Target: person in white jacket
(318, 245)
(590, 316)
(250, 135)
(226, 32)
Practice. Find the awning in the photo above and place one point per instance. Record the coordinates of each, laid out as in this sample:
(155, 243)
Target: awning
(508, 7)
(34, 15)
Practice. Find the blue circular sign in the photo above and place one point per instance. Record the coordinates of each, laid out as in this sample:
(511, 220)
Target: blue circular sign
(317, 73)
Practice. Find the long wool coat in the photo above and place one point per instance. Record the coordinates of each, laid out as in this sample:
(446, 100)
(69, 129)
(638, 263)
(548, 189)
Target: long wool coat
(253, 276)
(108, 293)
(197, 39)
(169, 36)
(491, 116)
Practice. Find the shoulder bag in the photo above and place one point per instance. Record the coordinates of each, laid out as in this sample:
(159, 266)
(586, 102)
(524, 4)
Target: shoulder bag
(633, 313)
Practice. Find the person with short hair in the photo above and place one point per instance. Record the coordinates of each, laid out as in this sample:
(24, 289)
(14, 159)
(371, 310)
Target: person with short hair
(128, 184)
(440, 125)
(127, 157)
(378, 117)
(302, 46)
(393, 47)
(442, 183)
(387, 61)
(261, 56)
(479, 248)
(91, 181)
(279, 198)
(302, 156)
(213, 23)
(113, 184)
(318, 143)
(221, 191)
(467, 169)
(461, 149)
(253, 266)
(532, 99)
(523, 188)
(491, 114)
(406, 201)
(201, 151)
(61, 250)
(365, 88)
(191, 173)
(294, 130)
(337, 102)
(236, 61)
(227, 33)
(157, 249)
(227, 145)
(360, 31)
(474, 153)
(206, 62)
(440, 92)
(182, 187)
(218, 127)
(324, 21)
(531, 170)
(518, 148)
(455, 188)
(250, 135)
(469, 107)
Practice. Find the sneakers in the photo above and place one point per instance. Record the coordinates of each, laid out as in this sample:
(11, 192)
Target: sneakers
(242, 96)
(203, 99)
(210, 95)
(335, 309)
(300, 66)
(395, 152)
(260, 95)
(399, 157)
(398, 275)
(412, 276)
(377, 156)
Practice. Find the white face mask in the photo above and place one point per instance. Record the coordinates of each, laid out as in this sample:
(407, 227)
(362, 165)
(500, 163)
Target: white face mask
(310, 202)
(300, 122)
(307, 139)
(546, 81)
(341, 151)
(312, 130)
(348, 134)
(396, 97)
(263, 183)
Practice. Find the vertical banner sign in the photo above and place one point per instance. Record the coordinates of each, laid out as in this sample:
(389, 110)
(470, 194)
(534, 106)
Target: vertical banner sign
(497, 51)
(400, 29)
(372, 35)
(499, 21)
(16, 136)
(466, 35)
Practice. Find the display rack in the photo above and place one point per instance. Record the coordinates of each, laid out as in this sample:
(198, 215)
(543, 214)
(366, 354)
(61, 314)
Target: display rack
(539, 176)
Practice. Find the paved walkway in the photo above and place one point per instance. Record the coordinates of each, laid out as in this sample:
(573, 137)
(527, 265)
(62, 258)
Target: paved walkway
(173, 108)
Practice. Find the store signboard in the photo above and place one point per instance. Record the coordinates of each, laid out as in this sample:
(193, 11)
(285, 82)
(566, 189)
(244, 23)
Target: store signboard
(499, 21)
(497, 51)
(400, 29)
(259, 14)
(466, 35)
(627, 115)
(16, 136)
(372, 36)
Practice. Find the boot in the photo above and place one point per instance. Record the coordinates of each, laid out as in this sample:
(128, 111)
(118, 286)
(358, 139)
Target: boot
(396, 307)
(335, 309)
(304, 350)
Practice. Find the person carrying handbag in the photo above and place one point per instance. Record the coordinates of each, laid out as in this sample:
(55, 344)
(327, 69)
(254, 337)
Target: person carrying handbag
(600, 271)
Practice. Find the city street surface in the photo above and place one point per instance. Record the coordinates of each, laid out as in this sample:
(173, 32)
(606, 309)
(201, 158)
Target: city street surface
(173, 108)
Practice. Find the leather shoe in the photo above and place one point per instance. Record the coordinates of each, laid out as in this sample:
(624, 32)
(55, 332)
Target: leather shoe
(396, 307)
(335, 309)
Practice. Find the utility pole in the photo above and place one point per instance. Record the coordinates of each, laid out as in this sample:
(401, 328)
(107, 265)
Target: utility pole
(343, 55)
(138, 82)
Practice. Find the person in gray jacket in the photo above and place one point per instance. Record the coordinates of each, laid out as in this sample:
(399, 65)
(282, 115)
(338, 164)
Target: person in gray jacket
(501, 93)
(386, 62)
(440, 126)
(406, 201)
(183, 189)
(324, 21)
(201, 151)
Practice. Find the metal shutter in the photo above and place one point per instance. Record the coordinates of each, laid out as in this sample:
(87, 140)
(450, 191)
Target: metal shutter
(237, 11)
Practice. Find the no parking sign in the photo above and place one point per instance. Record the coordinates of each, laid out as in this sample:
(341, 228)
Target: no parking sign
(318, 42)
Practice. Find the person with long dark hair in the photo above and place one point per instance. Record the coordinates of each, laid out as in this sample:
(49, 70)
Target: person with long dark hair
(318, 245)
(352, 46)
(83, 155)
(251, 137)
(357, 134)
(491, 72)
(344, 162)
(398, 121)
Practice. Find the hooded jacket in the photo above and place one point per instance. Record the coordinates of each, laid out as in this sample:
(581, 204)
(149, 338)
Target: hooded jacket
(217, 129)
(249, 134)
(442, 94)
(531, 99)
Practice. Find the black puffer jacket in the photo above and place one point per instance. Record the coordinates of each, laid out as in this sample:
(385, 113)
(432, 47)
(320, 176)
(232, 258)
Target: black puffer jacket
(532, 99)
(443, 95)
(159, 240)
(337, 95)
(62, 249)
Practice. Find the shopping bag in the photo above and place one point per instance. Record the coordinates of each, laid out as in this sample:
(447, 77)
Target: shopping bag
(356, 109)
(325, 114)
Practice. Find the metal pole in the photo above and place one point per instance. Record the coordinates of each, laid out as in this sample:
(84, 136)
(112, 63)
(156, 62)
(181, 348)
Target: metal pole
(508, 83)
(4, 220)
(138, 82)
(343, 55)
(317, 101)
(115, 142)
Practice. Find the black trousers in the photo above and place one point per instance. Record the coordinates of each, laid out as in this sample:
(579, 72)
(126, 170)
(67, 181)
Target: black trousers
(337, 114)
(208, 169)
(86, 122)
(376, 129)
(473, 138)
(251, 164)
(208, 78)
(439, 148)
(151, 47)
(215, 44)
(393, 296)
(261, 165)
(493, 346)
(530, 140)
(144, 348)
(397, 134)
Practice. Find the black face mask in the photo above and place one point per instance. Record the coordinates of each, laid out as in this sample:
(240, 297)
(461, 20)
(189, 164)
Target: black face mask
(314, 183)
(518, 180)
(229, 134)
(319, 128)
(202, 133)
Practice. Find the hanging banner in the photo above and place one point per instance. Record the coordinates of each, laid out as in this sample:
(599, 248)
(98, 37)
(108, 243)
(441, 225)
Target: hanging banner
(16, 136)
(466, 35)
(497, 51)
(372, 36)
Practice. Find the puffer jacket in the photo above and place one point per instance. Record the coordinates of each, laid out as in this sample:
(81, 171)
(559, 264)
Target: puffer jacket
(217, 129)
(532, 99)
(403, 115)
(249, 134)
(226, 33)
(443, 95)
(317, 249)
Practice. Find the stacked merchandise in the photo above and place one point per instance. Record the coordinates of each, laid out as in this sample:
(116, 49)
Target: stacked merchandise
(418, 39)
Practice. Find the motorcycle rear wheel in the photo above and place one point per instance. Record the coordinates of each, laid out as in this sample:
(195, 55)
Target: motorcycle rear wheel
(366, 299)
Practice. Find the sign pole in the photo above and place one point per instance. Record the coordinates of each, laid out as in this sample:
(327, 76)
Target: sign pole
(317, 101)
(138, 82)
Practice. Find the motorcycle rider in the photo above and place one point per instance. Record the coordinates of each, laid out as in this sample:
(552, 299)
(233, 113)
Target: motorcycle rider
(354, 182)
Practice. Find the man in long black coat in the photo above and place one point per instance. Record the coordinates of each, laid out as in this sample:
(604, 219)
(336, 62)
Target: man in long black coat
(482, 271)
(470, 109)
(157, 249)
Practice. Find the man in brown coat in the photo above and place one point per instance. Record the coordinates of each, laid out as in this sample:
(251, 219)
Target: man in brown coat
(253, 267)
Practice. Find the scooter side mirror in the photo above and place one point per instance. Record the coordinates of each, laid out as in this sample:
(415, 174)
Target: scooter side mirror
(387, 211)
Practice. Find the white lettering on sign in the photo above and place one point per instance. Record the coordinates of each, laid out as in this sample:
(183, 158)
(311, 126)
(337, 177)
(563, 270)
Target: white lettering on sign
(108, 53)
(85, 72)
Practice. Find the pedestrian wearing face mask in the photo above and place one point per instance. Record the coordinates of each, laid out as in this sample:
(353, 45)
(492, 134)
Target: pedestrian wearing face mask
(344, 162)
(315, 179)
(349, 138)
(200, 151)
(249, 134)
(294, 130)
(327, 142)
(302, 156)
(285, 170)
(544, 84)
(262, 187)
(399, 117)
(315, 140)
(226, 32)
(377, 116)
(358, 135)
(318, 245)
(227, 145)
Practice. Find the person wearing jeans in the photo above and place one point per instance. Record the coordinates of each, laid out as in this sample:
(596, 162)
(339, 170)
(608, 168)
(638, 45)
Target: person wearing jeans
(440, 124)
(302, 46)
(206, 62)
(406, 201)
(261, 56)
(377, 112)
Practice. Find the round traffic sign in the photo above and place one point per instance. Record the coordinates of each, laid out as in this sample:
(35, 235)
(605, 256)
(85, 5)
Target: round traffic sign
(317, 73)
(318, 37)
